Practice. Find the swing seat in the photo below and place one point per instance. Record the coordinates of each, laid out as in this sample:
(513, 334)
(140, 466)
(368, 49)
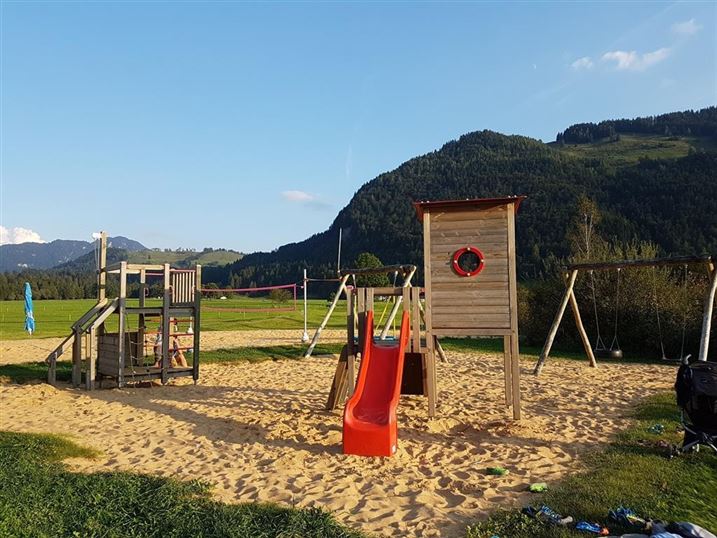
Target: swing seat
(608, 353)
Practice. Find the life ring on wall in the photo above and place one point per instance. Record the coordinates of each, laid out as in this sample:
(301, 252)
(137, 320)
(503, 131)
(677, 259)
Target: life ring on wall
(456, 261)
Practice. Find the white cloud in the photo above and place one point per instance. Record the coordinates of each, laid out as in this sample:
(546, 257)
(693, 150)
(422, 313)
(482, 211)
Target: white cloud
(298, 196)
(582, 63)
(14, 236)
(306, 199)
(634, 61)
(686, 28)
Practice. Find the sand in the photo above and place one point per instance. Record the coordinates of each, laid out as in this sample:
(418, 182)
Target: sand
(37, 349)
(259, 433)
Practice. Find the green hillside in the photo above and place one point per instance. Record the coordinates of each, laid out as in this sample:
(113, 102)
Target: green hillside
(656, 187)
(207, 257)
(629, 149)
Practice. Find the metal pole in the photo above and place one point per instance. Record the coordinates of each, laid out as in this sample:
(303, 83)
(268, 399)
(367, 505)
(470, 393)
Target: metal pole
(338, 260)
(305, 336)
(707, 317)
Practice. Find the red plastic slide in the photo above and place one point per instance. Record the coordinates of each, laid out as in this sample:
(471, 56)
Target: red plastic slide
(370, 427)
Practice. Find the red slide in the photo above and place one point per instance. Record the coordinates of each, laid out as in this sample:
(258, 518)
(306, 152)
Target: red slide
(370, 414)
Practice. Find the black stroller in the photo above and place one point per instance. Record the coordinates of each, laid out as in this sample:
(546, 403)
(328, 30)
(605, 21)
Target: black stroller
(696, 389)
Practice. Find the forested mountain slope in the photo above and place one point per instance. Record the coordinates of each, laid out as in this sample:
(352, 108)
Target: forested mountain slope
(649, 186)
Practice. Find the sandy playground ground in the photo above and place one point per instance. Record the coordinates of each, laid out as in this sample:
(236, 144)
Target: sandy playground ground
(259, 433)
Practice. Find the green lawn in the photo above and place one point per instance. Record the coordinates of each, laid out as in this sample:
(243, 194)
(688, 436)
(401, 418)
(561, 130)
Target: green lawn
(634, 472)
(630, 148)
(54, 317)
(40, 498)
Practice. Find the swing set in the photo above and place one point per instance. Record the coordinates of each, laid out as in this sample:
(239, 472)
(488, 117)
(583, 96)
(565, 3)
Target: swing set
(599, 349)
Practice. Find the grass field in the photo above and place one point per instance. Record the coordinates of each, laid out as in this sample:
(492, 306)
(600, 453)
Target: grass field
(54, 317)
(633, 472)
(39, 497)
(630, 148)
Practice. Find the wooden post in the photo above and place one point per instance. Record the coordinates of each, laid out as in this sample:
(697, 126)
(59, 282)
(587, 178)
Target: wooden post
(91, 372)
(52, 370)
(507, 371)
(513, 291)
(322, 326)
(197, 321)
(707, 317)
(141, 329)
(439, 349)
(102, 270)
(122, 351)
(556, 322)
(515, 375)
(397, 304)
(77, 357)
(430, 356)
(166, 301)
(581, 329)
(339, 386)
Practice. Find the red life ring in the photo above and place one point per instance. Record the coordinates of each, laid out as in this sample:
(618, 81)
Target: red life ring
(456, 261)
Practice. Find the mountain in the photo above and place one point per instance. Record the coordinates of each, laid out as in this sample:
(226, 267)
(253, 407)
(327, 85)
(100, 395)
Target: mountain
(47, 255)
(178, 258)
(657, 187)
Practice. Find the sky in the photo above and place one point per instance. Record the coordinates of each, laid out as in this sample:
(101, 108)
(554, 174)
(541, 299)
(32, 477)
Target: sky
(248, 125)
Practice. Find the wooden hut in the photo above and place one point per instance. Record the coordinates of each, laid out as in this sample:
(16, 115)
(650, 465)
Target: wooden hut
(470, 280)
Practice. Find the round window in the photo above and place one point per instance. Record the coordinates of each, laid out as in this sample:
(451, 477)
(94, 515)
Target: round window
(467, 261)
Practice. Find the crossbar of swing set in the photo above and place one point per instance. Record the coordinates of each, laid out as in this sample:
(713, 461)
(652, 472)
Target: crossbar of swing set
(656, 262)
(403, 269)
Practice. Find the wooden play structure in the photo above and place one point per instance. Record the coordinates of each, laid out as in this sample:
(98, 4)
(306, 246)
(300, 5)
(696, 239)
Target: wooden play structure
(359, 303)
(613, 350)
(126, 355)
(344, 289)
(470, 291)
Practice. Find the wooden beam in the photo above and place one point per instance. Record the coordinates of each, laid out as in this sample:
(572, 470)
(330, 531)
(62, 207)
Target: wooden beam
(515, 363)
(101, 271)
(513, 291)
(507, 371)
(166, 303)
(581, 329)
(396, 304)
(121, 349)
(403, 269)
(197, 321)
(322, 326)
(351, 326)
(339, 386)
(707, 317)
(556, 322)
(656, 262)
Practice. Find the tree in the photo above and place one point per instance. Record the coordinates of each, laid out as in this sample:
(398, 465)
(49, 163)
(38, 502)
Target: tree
(280, 296)
(367, 260)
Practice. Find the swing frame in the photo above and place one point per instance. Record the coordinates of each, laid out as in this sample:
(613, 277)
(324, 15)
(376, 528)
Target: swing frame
(570, 274)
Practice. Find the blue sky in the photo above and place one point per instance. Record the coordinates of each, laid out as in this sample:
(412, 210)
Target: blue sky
(248, 126)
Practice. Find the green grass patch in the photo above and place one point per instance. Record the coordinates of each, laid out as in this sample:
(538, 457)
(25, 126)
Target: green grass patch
(33, 371)
(631, 148)
(633, 471)
(39, 498)
(55, 317)
(531, 353)
(37, 371)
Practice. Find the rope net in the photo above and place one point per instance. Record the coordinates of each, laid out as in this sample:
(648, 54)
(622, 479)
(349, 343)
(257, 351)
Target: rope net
(281, 298)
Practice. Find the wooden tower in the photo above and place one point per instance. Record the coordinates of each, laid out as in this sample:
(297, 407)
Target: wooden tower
(470, 279)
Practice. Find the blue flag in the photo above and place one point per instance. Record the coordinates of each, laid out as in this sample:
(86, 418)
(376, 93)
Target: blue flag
(29, 318)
